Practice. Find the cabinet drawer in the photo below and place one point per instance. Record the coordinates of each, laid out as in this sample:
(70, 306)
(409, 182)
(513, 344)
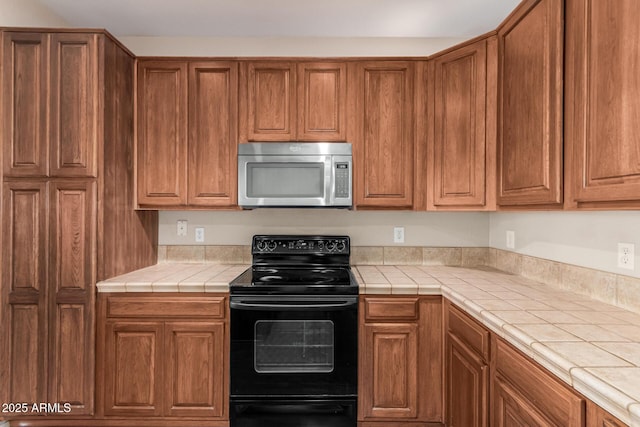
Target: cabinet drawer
(468, 330)
(166, 307)
(390, 308)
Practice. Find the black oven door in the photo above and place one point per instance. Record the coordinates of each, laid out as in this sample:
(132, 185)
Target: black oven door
(294, 346)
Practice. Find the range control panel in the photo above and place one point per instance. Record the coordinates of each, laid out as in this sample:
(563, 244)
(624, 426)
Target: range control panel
(300, 245)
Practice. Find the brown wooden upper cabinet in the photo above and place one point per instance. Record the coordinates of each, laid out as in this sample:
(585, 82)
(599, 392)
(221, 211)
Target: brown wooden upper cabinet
(289, 101)
(530, 105)
(461, 128)
(602, 104)
(383, 135)
(187, 133)
(50, 84)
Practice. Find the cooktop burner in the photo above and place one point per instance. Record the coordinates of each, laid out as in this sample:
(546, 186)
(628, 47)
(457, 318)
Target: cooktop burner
(298, 265)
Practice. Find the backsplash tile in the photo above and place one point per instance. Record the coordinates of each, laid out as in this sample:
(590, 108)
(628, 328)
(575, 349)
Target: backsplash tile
(618, 290)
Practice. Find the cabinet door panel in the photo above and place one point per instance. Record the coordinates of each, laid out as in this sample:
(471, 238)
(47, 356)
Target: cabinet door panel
(24, 286)
(322, 101)
(459, 129)
(270, 101)
(511, 409)
(213, 103)
(24, 104)
(390, 367)
(196, 371)
(603, 99)
(530, 120)
(134, 380)
(74, 104)
(384, 153)
(162, 133)
(467, 386)
(72, 274)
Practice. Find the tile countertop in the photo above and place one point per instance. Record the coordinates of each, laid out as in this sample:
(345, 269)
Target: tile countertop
(592, 346)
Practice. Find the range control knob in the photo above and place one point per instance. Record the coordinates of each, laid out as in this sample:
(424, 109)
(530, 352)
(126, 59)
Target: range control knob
(331, 246)
(261, 245)
(271, 245)
(340, 247)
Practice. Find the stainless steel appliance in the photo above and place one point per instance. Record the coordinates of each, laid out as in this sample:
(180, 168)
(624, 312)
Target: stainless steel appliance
(288, 174)
(294, 335)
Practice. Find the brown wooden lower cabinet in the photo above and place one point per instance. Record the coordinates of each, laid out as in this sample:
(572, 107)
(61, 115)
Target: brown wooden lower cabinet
(523, 394)
(400, 362)
(466, 370)
(598, 417)
(163, 357)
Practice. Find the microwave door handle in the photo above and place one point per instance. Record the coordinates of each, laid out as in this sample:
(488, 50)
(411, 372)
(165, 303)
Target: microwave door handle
(279, 306)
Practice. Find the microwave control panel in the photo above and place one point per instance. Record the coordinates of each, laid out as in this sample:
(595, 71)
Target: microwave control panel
(342, 180)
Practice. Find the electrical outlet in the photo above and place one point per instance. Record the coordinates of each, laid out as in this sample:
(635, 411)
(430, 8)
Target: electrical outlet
(511, 239)
(182, 227)
(626, 255)
(199, 234)
(398, 234)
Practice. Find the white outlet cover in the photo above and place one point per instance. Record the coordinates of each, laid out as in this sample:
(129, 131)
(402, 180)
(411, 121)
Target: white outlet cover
(511, 239)
(199, 234)
(181, 227)
(626, 256)
(398, 234)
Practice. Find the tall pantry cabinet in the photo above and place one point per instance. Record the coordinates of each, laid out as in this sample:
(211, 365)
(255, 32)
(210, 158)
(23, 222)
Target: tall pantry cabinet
(66, 121)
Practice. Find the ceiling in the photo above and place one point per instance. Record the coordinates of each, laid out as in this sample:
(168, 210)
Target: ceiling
(286, 18)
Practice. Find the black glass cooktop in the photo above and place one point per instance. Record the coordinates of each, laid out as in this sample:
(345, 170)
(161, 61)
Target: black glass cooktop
(295, 280)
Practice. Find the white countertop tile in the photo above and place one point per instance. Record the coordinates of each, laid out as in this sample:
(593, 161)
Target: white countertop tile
(590, 345)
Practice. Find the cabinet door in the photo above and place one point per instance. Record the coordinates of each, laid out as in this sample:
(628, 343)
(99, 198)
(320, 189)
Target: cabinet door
(603, 101)
(196, 369)
(213, 140)
(511, 409)
(134, 380)
(74, 104)
(322, 101)
(467, 386)
(24, 292)
(71, 293)
(460, 147)
(384, 147)
(24, 104)
(530, 105)
(598, 417)
(524, 394)
(268, 101)
(162, 133)
(389, 362)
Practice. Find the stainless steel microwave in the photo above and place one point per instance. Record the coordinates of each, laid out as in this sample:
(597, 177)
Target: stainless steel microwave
(290, 174)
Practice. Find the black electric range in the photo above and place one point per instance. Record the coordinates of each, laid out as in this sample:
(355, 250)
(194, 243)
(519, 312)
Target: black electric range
(294, 335)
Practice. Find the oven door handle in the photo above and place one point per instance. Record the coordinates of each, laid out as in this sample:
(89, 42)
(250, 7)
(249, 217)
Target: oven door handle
(274, 305)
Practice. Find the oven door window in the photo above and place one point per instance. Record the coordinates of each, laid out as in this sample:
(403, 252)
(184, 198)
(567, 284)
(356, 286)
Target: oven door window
(294, 346)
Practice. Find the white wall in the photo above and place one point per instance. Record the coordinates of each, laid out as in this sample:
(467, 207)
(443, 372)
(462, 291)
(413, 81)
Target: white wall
(588, 239)
(283, 46)
(28, 13)
(366, 228)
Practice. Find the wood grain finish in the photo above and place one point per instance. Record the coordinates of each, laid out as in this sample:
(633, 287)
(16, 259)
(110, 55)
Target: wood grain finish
(269, 101)
(24, 104)
(165, 357)
(60, 225)
(162, 133)
(391, 351)
(134, 383)
(598, 417)
(524, 394)
(74, 101)
(384, 135)
(457, 157)
(466, 369)
(322, 101)
(530, 105)
(24, 291)
(213, 140)
(195, 369)
(71, 284)
(602, 101)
